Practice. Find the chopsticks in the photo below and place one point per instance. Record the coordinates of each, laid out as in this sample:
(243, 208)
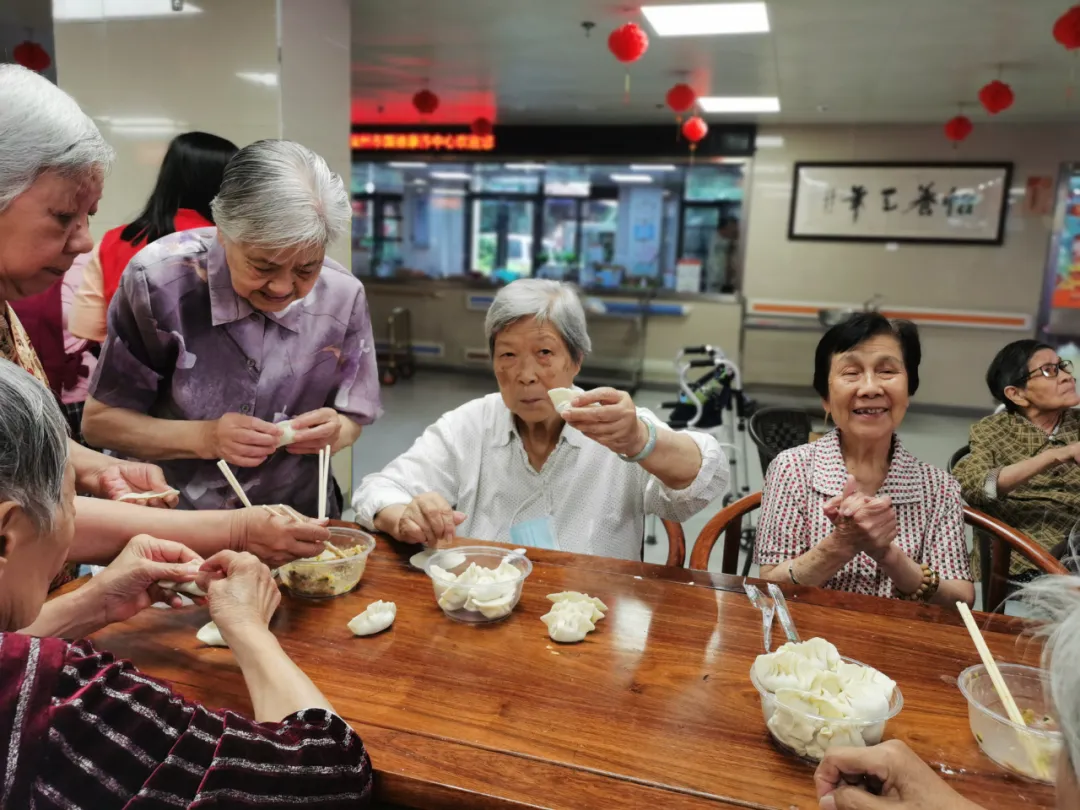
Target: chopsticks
(999, 685)
(324, 479)
(287, 512)
(239, 490)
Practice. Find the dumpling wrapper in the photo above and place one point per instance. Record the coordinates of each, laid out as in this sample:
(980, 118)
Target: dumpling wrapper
(210, 635)
(288, 434)
(189, 588)
(598, 607)
(570, 621)
(562, 397)
(785, 669)
(376, 617)
(147, 496)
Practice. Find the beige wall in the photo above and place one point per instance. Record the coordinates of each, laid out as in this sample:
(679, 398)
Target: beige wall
(1004, 279)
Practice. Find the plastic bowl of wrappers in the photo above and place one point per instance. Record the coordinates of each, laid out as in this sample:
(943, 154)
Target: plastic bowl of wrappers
(328, 574)
(478, 583)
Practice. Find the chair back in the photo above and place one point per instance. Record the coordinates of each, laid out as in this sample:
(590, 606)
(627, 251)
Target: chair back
(774, 430)
(727, 521)
(676, 538)
(955, 458)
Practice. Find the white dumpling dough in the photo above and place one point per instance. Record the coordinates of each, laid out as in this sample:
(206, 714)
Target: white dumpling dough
(190, 588)
(492, 592)
(147, 496)
(375, 618)
(561, 398)
(288, 434)
(210, 635)
(572, 616)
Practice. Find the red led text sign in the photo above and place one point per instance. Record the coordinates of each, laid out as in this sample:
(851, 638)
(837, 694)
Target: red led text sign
(421, 142)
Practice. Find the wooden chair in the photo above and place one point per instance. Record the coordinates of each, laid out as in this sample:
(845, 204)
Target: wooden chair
(676, 538)
(1006, 539)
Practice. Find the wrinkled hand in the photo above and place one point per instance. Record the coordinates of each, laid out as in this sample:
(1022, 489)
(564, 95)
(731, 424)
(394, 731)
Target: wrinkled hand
(1069, 454)
(614, 424)
(277, 540)
(241, 592)
(242, 441)
(899, 779)
(862, 523)
(427, 519)
(129, 584)
(118, 478)
(315, 430)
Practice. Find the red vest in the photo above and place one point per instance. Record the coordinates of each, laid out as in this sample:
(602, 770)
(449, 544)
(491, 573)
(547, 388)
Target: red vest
(115, 254)
(42, 317)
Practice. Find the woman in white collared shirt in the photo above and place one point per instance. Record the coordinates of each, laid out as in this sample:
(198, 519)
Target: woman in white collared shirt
(508, 467)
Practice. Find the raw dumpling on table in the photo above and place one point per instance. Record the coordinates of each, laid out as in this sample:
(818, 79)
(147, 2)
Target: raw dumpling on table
(210, 635)
(375, 618)
(572, 616)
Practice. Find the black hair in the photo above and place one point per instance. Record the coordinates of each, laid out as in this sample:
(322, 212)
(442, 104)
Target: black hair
(859, 328)
(1010, 367)
(190, 177)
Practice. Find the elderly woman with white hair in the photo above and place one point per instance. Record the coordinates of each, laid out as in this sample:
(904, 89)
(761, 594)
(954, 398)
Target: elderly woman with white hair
(908, 783)
(217, 334)
(509, 467)
(79, 729)
(53, 162)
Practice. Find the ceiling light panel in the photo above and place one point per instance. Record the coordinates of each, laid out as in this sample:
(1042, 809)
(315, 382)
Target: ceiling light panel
(740, 104)
(707, 19)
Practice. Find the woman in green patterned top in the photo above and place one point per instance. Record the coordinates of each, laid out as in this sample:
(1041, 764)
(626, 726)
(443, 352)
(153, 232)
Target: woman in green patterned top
(1023, 467)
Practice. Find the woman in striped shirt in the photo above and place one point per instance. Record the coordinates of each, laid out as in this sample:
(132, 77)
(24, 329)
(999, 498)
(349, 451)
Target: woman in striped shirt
(79, 729)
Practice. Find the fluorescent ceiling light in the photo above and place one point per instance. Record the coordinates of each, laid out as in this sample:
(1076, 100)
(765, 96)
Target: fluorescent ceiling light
(451, 176)
(653, 167)
(740, 104)
(406, 164)
(769, 141)
(631, 178)
(703, 19)
(524, 167)
(132, 121)
(102, 10)
(144, 131)
(265, 79)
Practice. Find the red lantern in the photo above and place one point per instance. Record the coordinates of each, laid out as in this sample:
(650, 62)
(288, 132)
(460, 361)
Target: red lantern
(628, 42)
(425, 102)
(681, 98)
(958, 128)
(482, 127)
(31, 55)
(694, 130)
(1067, 29)
(996, 96)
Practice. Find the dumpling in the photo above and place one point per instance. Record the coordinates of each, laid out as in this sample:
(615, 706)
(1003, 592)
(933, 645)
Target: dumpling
(146, 496)
(562, 397)
(494, 608)
(570, 620)
(574, 596)
(210, 636)
(858, 673)
(818, 650)
(375, 618)
(454, 598)
(288, 434)
(785, 669)
(189, 588)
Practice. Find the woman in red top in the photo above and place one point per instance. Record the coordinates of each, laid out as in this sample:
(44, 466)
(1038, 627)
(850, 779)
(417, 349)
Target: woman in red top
(189, 179)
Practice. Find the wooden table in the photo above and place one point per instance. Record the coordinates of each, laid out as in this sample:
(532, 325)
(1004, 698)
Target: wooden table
(655, 709)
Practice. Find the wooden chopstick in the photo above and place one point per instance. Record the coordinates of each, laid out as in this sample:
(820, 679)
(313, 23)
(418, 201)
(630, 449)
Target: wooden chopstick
(999, 684)
(287, 512)
(234, 483)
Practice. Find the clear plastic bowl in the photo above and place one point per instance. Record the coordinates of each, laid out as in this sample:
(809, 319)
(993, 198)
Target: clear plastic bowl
(804, 738)
(322, 579)
(497, 600)
(998, 737)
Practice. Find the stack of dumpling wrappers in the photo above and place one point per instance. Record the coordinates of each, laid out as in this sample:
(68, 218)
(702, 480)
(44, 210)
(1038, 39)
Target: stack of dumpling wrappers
(572, 616)
(810, 677)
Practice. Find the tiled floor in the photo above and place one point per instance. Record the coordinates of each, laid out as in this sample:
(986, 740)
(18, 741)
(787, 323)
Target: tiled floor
(412, 405)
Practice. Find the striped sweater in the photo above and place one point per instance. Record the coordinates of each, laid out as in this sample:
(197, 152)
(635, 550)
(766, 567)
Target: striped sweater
(79, 729)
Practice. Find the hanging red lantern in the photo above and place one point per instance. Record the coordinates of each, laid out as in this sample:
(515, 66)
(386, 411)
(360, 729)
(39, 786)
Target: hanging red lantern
(681, 98)
(694, 130)
(31, 55)
(482, 127)
(996, 96)
(1067, 29)
(425, 102)
(628, 43)
(958, 128)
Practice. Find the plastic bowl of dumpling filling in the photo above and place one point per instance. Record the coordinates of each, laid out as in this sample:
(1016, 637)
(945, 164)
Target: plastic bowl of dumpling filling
(813, 698)
(330, 574)
(1002, 740)
(478, 583)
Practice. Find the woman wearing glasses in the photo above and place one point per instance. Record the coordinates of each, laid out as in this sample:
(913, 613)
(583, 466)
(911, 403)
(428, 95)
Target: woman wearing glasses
(1023, 468)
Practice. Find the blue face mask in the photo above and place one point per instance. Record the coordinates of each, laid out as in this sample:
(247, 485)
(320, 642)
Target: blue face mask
(536, 533)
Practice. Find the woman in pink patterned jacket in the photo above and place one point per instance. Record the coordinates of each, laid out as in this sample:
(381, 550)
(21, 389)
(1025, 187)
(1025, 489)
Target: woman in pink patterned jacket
(79, 729)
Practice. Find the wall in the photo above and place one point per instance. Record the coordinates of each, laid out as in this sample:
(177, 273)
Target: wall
(1006, 279)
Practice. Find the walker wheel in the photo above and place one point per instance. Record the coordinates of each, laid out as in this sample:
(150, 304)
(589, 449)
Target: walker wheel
(389, 377)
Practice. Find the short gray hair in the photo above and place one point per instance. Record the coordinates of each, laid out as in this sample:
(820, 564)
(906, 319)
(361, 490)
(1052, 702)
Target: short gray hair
(278, 194)
(33, 445)
(544, 300)
(1057, 600)
(43, 129)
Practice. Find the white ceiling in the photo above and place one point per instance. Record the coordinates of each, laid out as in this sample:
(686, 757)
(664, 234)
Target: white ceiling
(528, 61)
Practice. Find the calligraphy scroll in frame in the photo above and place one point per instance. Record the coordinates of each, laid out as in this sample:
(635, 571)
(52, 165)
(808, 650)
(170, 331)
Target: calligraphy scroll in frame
(951, 203)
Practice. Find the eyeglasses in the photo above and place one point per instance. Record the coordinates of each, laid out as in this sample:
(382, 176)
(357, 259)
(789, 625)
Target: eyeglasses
(1050, 370)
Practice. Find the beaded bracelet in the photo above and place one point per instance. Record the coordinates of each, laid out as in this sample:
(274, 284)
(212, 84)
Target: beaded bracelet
(927, 588)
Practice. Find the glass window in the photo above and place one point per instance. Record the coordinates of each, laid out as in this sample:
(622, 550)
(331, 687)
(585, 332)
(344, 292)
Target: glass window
(558, 254)
(504, 179)
(363, 236)
(714, 183)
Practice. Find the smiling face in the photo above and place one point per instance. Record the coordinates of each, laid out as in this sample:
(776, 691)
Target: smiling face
(1040, 394)
(868, 389)
(43, 230)
(270, 280)
(530, 359)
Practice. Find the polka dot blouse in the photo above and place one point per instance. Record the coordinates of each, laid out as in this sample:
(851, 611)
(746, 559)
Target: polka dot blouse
(929, 514)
